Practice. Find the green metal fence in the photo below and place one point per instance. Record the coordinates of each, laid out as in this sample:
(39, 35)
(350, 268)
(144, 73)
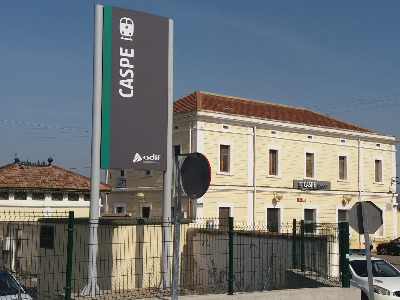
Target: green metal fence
(49, 256)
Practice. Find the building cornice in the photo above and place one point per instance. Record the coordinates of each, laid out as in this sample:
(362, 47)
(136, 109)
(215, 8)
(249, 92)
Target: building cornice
(207, 116)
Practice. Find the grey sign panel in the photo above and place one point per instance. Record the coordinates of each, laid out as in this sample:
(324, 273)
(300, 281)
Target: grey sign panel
(311, 185)
(374, 217)
(138, 94)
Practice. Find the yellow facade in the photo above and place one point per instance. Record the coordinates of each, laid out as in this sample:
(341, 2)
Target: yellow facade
(249, 192)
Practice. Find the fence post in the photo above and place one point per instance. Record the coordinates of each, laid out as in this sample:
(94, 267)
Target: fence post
(302, 247)
(231, 276)
(344, 252)
(70, 245)
(294, 246)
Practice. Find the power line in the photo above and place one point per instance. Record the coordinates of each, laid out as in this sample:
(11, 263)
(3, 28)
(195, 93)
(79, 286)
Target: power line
(362, 105)
(362, 109)
(357, 101)
(45, 126)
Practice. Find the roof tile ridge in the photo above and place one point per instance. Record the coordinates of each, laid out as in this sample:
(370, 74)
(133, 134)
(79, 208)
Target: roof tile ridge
(79, 175)
(68, 171)
(185, 96)
(287, 106)
(8, 165)
(254, 100)
(340, 120)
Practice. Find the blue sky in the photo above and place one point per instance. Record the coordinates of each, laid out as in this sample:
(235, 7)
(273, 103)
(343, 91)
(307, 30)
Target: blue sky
(340, 58)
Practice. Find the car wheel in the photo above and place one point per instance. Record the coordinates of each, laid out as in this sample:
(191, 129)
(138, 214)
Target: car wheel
(383, 251)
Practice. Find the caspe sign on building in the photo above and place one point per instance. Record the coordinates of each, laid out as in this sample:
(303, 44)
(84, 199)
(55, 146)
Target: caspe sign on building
(135, 90)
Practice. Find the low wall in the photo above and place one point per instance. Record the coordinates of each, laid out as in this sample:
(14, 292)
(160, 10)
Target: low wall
(326, 293)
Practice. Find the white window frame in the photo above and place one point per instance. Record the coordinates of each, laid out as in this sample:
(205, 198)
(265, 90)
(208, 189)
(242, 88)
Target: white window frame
(230, 145)
(63, 196)
(142, 205)
(337, 212)
(278, 163)
(72, 195)
(310, 206)
(119, 205)
(341, 207)
(314, 166)
(21, 193)
(316, 221)
(280, 222)
(225, 204)
(35, 199)
(382, 168)
(346, 156)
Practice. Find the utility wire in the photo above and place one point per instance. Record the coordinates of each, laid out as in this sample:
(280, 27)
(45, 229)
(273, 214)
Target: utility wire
(357, 101)
(35, 131)
(362, 105)
(363, 109)
(45, 126)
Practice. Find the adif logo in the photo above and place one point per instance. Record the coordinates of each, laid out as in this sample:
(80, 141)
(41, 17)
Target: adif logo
(137, 158)
(147, 159)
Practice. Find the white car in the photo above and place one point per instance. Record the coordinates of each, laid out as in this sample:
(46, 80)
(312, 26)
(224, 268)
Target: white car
(9, 287)
(386, 278)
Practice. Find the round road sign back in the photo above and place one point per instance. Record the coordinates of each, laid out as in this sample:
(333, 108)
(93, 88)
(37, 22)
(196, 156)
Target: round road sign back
(195, 175)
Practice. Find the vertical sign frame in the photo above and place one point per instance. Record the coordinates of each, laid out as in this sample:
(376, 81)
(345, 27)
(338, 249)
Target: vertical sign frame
(103, 132)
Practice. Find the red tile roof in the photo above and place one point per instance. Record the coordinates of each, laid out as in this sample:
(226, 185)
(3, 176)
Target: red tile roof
(202, 101)
(46, 177)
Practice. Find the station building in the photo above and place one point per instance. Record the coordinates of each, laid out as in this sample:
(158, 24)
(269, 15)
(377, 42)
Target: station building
(270, 163)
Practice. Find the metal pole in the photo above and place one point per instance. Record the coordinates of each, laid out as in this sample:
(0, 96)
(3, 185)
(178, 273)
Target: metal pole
(231, 278)
(344, 253)
(20, 283)
(302, 247)
(70, 246)
(177, 232)
(367, 251)
(91, 288)
(167, 176)
(294, 248)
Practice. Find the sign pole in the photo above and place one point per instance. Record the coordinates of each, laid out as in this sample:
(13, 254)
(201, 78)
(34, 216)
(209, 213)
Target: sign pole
(167, 180)
(177, 230)
(367, 250)
(194, 177)
(92, 289)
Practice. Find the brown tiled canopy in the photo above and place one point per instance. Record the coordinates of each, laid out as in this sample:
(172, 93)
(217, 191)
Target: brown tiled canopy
(202, 101)
(44, 177)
